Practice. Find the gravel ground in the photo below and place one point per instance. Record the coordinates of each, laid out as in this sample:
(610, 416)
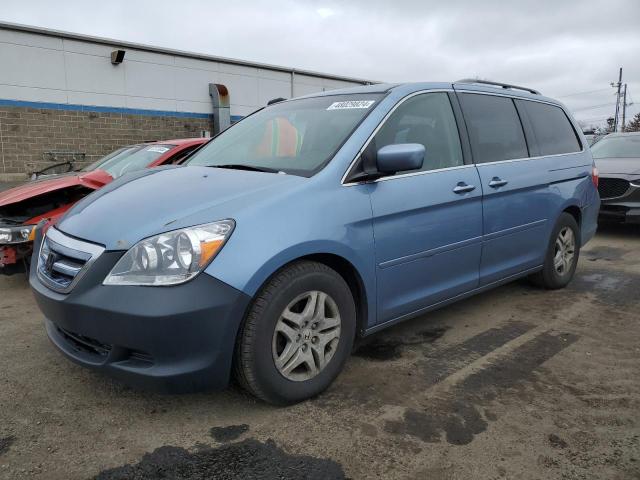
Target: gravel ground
(516, 383)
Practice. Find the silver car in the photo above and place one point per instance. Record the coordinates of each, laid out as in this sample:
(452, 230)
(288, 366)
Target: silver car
(617, 157)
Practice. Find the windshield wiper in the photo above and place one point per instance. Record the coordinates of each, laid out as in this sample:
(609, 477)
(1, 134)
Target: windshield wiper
(239, 166)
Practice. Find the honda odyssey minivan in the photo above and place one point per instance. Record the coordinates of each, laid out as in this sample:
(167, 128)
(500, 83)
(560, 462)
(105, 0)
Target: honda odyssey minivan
(312, 222)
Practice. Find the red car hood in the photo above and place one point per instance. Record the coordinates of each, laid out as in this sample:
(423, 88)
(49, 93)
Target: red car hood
(94, 180)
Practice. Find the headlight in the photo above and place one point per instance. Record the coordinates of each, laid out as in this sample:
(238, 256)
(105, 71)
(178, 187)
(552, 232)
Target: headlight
(171, 258)
(635, 183)
(19, 234)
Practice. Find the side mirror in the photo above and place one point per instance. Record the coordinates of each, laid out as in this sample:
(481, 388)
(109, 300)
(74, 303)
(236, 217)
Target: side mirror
(400, 157)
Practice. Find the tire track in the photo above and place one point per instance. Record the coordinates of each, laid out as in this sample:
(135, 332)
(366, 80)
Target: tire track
(441, 363)
(458, 414)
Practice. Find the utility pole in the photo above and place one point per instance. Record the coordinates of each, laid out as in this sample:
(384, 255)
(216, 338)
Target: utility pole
(624, 106)
(615, 118)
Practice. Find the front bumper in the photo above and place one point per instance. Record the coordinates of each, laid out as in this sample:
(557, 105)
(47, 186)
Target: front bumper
(170, 339)
(620, 212)
(623, 208)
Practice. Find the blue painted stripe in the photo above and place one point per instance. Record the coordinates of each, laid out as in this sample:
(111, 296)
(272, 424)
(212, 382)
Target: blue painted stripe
(98, 109)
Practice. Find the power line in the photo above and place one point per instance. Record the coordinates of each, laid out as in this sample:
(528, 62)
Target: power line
(593, 107)
(594, 119)
(629, 98)
(599, 116)
(583, 93)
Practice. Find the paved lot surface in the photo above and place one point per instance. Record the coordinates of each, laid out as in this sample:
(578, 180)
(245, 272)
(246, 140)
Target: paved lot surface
(517, 383)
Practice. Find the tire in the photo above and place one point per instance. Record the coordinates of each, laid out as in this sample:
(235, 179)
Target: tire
(551, 276)
(267, 336)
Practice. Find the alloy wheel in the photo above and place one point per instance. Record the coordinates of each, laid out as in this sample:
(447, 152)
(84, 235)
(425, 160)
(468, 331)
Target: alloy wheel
(565, 249)
(306, 336)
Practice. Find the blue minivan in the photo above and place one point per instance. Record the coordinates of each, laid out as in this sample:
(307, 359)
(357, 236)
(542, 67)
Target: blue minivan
(312, 222)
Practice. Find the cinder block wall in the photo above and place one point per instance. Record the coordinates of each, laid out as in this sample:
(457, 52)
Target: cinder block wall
(33, 138)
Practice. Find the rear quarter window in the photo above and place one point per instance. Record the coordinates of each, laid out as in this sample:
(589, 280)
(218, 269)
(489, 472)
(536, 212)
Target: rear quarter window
(551, 128)
(494, 128)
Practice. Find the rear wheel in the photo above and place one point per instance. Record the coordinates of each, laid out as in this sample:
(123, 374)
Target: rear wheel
(297, 335)
(562, 254)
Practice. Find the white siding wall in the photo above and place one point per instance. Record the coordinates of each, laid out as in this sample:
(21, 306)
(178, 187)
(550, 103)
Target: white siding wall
(43, 68)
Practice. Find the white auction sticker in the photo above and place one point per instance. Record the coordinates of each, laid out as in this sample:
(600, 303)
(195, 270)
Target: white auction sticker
(351, 104)
(157, 149)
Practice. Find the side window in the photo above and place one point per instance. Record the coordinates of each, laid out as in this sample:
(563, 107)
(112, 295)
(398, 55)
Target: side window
(494, 128)
(553, 132)
(426, 119)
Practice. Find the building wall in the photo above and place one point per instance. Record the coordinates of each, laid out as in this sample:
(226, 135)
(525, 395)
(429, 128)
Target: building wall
(33, 138)
(54, 85)
(50, 68)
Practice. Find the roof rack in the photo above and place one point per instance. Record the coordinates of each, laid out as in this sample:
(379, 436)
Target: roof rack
(498, 84)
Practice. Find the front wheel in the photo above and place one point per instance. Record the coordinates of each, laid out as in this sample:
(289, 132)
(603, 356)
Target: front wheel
(297, 335)
(562, 255)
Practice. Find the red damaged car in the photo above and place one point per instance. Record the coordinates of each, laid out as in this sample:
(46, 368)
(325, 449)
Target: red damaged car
(22, 207)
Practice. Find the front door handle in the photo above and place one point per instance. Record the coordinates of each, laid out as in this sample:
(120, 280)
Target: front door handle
(463, 188)
(497, 182)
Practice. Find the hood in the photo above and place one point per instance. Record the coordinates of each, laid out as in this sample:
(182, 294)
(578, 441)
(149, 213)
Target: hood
(93, 180)
(153, 201)
(622, 166)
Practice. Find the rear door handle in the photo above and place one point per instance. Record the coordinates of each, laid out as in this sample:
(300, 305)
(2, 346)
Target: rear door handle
(463, 188)
(497, 182)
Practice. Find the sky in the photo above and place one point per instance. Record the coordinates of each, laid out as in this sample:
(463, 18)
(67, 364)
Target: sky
(570, 50)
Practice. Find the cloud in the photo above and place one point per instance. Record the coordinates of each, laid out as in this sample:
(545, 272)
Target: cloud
(560, 48)
(325, 12)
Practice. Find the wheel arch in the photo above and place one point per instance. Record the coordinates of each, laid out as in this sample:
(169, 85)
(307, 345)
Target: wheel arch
(575, 212)
(352, 273)
(352, 277)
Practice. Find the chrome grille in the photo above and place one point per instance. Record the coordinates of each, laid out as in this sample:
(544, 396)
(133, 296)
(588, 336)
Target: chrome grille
(612, 187)
(62, 260)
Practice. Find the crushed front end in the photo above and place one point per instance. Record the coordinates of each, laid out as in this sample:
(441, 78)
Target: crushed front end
(16, 245)
(18, 220)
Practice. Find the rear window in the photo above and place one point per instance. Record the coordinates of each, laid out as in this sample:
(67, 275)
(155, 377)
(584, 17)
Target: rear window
(553, 132)
(494, 128)
(624, 146)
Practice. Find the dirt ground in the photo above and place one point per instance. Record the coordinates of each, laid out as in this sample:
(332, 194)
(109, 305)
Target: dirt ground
(516, 383)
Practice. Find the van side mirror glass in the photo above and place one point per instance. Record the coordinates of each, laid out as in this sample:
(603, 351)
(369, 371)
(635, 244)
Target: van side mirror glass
(400, 157)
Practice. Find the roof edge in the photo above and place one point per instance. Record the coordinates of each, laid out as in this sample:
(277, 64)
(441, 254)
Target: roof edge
(169, 51)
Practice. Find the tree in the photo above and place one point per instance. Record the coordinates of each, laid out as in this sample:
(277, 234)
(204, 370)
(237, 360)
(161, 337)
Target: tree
(634, 124)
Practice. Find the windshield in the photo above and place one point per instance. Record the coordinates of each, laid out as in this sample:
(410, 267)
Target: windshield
(130, 159)
(625, 146)
(116, 153)
(297, 137)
